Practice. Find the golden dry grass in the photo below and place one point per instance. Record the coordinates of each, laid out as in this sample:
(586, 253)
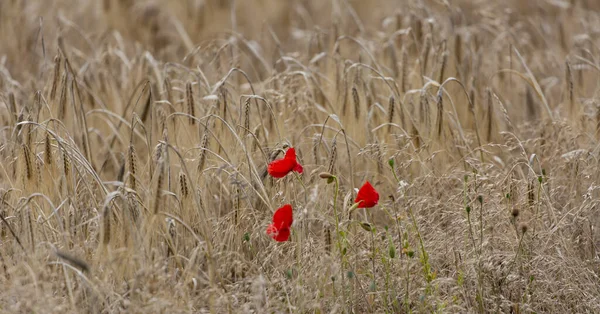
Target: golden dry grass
(135, 137)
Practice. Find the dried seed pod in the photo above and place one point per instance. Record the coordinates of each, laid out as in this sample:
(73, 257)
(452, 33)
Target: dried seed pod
(78, 263)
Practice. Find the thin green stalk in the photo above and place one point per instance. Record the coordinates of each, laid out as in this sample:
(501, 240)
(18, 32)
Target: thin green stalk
(519, 249)
(338, 235)
(302, 229)
(373, 252)
(397, 216)
(407, 297)
(468, 210)
(479, 267)
(424, 255)
(337, 221)
(303, 186)
(537, 208)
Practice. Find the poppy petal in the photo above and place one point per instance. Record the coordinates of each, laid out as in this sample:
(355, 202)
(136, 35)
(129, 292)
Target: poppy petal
(283, 235)
(290, 154)
(271, 230)
(280, 168)
(298, 168)
(367, 196)
(280, 235)
(283, 217)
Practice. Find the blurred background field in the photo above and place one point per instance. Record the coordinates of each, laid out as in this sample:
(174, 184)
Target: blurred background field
(135, 135)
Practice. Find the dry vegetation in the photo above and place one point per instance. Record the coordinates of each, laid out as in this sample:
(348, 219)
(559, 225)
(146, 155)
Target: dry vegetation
(135, 136)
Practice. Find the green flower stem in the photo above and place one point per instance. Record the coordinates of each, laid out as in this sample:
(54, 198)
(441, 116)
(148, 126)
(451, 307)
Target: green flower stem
(337, 234)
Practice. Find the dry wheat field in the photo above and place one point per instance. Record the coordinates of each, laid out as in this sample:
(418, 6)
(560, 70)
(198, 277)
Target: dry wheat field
(207, 156)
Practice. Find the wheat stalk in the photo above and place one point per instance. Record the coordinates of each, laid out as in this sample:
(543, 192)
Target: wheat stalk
(440, 115)
(203, 148)
(62, 102)
(159, 185)
(29, 170)
(490, 115)
(183, 185)
(189, 98)
(332, 157)
(391, 105)
(56, 77)
(106, 224)
(247, 116)
(356, 101)
(571, 90)
(12, 106)
(132, 163)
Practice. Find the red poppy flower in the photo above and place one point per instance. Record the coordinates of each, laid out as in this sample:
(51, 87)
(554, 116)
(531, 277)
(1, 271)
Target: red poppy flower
(282, 221)
(367, 197)
(281, 167)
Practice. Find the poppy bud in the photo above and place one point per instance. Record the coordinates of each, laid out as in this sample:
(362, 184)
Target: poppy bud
(392, 251)
(325, 175)
(524, 228)
(367, 226)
